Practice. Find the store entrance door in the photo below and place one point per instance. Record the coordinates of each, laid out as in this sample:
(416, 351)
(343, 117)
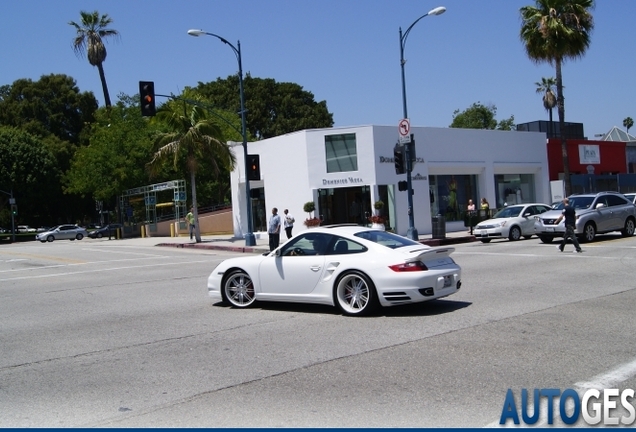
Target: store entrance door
(345, 205)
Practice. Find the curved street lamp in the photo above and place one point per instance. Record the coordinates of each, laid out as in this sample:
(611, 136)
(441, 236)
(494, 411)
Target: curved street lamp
(250, 240)
(412, 231)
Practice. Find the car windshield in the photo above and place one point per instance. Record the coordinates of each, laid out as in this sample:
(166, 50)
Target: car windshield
(508, 212)
(387, 239)
(580, 202)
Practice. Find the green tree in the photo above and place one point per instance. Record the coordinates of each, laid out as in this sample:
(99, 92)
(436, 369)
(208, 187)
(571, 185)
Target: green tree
(273, 108)
(194, 138)
(627, 123)
(114, 161)
(553, 31)
(29, 170)
(547, 87)
(91, 32)
(479, 116)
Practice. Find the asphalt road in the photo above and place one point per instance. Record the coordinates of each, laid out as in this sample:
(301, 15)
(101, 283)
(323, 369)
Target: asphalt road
(117, 334)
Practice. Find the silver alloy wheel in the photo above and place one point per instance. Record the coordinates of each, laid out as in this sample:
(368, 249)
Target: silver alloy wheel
(589, 232)
(629, 228)
(515, 233)
(79, 236)
(355, 294)
(238, 289)
(50, 238)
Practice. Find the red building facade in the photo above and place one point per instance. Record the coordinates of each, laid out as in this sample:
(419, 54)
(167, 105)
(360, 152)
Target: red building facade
(587, 157)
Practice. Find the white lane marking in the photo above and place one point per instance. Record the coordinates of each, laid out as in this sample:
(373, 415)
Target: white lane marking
(609, 379)
(80, 264)
(101, 270)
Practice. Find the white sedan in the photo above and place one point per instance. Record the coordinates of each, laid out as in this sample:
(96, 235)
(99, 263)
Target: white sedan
(512, 222)
(351, 267)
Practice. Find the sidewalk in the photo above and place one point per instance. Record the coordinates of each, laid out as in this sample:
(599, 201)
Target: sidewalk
(229, 243)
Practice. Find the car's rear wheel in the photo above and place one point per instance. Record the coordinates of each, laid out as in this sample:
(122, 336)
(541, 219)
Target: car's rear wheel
(99, 235)
(79, 236)
(589, 232)
(628, 231)
(515, 234)
(546, 239)
(355, 294)
(485, 240)
(238, 289)
(50, 238)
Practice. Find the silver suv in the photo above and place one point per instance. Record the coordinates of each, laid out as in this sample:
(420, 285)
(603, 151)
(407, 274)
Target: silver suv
(598, 213)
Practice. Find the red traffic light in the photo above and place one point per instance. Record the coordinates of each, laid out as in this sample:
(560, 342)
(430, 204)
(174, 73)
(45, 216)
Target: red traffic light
(147, 98)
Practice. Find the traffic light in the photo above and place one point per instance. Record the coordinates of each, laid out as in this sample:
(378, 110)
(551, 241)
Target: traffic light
(402, 185)
(147, 98)
(253, 167)
(398, 159)
(14, 209)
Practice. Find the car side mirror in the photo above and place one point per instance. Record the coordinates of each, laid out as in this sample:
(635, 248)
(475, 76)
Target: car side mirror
(600, 205)
(526, 214)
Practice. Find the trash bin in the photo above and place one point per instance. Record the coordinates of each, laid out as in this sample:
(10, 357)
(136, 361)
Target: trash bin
(439, 227)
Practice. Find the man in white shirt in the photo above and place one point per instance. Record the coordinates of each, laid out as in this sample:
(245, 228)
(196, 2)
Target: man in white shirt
(288, 223)
(274, 230)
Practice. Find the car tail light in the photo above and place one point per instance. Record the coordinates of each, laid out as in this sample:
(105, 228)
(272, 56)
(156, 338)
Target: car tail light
(409, 267)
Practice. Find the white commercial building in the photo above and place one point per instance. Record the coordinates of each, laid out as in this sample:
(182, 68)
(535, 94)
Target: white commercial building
(344, 171)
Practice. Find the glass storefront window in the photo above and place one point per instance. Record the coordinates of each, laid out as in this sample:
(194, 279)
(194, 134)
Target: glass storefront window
(341, 153)
(449, 195)
(514, 189)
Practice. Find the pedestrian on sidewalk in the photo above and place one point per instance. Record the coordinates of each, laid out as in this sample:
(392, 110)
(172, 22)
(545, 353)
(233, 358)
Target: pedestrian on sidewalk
(190, 219)
(288, 223)
(470, 213)
(570, 225)
(273, 230)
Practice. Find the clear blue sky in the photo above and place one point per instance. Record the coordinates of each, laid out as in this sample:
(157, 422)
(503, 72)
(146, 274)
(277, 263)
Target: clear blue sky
(345, 52)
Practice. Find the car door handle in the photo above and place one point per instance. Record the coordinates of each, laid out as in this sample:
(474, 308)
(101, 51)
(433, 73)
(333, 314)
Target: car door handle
(315, 268)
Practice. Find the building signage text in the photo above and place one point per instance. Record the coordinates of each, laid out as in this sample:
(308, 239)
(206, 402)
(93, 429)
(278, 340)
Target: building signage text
(342, 181)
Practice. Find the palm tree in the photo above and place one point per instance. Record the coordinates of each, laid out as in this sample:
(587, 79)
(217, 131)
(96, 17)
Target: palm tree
(552, 32)
(627, 123)
(546, 86)
(91, 31)
(194, 138)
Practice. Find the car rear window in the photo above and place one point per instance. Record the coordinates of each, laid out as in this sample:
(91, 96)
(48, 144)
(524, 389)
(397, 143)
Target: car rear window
(387, 239)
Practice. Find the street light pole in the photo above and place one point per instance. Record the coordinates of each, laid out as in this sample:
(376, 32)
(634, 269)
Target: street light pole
(412, 231)
(250, 240)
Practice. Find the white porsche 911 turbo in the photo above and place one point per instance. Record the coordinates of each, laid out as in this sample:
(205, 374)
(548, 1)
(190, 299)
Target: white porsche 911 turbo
(351, 267)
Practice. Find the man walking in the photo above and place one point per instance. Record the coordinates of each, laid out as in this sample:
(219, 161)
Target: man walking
(190, 220)
(274, 230)
(289, 223)
(570, 225)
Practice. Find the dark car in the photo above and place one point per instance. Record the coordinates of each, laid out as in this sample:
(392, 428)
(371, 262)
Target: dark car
(109, 230)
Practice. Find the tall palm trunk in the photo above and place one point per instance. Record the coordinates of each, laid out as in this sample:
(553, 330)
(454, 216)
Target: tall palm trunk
(551, 129)
(102, 77)
(564, 143)
(195, 210)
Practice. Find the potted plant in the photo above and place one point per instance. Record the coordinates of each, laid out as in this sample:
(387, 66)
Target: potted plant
(377, 221)
(310, 222)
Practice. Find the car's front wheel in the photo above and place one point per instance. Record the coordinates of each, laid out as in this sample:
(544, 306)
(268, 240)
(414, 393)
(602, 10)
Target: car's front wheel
(515, 234)
(355, 294)
(50, 238)
(628, 231)
(238, 289)
(99, 235)
(589, 232)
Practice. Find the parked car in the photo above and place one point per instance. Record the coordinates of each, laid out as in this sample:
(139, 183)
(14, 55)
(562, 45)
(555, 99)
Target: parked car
(25, 229)
(597, 213)
(351, 267)
(62, 232)
(104, 231)
(512, 222)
